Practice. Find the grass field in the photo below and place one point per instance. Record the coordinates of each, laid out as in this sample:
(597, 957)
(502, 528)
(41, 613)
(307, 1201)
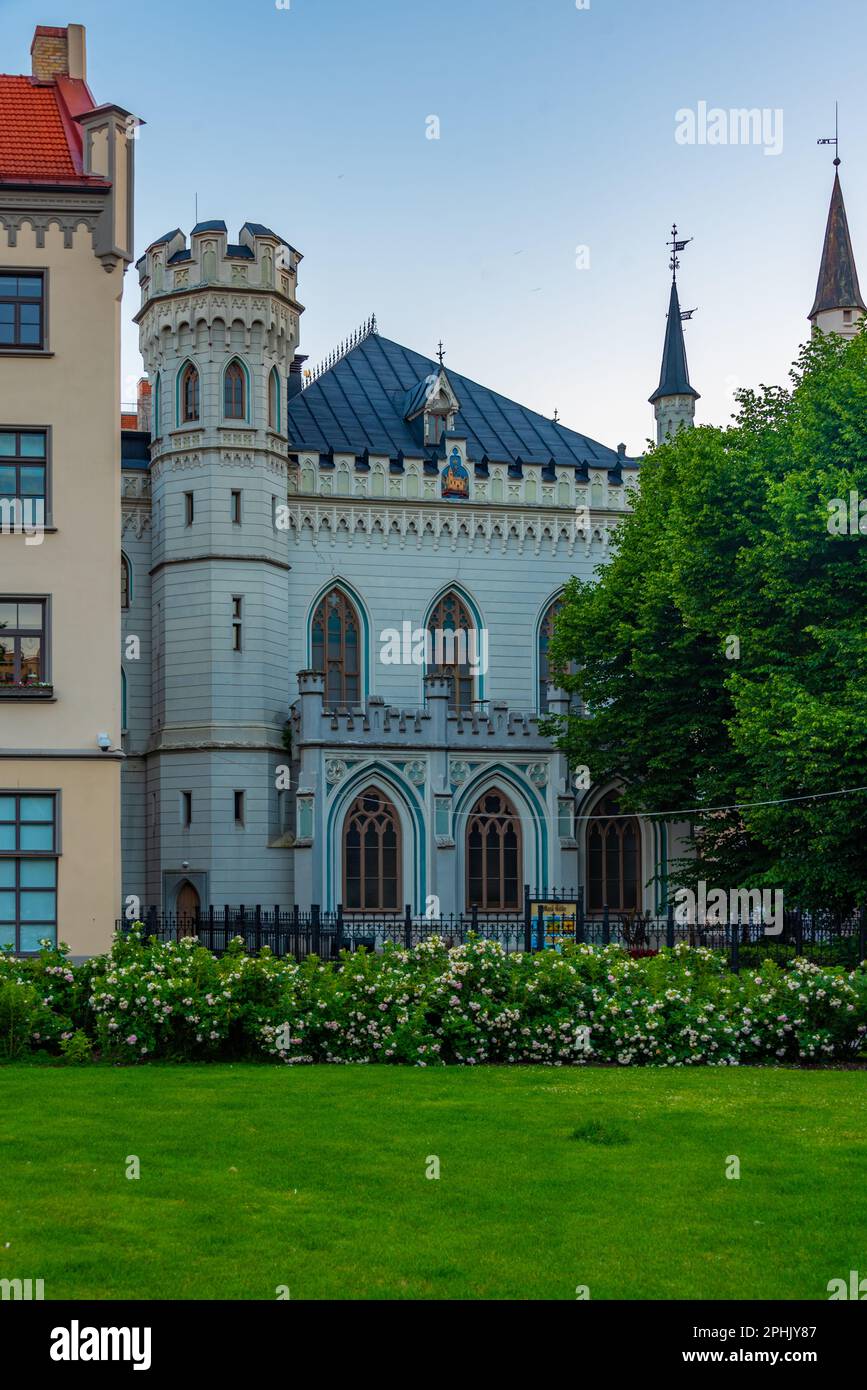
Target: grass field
(254, 1177)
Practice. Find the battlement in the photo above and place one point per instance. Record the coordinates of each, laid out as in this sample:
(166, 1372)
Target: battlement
(258, 260)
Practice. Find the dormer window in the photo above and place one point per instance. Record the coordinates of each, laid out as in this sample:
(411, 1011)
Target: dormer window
(435, 426)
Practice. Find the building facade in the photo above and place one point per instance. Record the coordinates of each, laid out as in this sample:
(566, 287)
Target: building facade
(66, 209)
(340, 587)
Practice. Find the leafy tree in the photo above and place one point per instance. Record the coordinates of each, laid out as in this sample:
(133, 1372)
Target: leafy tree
(722, 653)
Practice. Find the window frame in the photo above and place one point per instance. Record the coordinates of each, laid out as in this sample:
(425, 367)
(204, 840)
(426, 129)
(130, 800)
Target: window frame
(45, 679)
(486, 818)
(338, 666)
(354, 810)
(125, 570)
(17, 856)
(188, 371)
(18, 460)
(235, 363)
(237, 622)
(25, 273)
(459, 681)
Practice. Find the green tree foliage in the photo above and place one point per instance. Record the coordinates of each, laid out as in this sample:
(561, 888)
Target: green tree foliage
(722, 653)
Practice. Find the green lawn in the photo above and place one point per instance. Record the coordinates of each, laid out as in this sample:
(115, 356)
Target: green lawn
(256, 1176)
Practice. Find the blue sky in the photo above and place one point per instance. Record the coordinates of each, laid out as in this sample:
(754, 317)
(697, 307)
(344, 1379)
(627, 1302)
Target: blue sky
(557, 130)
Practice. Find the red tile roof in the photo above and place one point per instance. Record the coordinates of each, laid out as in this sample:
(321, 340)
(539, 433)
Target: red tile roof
(39, 140)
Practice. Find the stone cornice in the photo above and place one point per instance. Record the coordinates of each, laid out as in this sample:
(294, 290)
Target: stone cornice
(346, 523)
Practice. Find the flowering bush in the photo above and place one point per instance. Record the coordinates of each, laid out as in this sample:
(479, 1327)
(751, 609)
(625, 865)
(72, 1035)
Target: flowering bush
(431, 1006)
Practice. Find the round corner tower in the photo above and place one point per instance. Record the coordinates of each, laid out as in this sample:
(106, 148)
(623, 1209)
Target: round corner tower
(218, 331)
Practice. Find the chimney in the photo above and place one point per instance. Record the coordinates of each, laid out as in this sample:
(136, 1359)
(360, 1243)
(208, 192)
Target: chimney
(59, 53)
(144, 403)
(296, 379)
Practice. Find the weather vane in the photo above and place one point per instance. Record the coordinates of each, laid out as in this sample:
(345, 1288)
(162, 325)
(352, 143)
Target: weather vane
(556, 419)
(835, 139)
(441, 352)
(676, 248)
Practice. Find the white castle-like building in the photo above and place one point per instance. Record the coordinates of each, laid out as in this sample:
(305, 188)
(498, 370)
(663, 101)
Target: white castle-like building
(291, 736)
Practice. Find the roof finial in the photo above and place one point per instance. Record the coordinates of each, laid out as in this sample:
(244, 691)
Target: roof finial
(836, 140)
(556, 419)
(676, 247)
(441, 352)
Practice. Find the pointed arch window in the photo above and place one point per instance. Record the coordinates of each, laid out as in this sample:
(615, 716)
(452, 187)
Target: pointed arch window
(190, 394)
(274, 400)
(335, 643)
(452, 635)
(157, 406)
(235, 392)
(494, 854)
(123, 723)
(371, 855)
(125, 582)
(613, 859)
(546, 632)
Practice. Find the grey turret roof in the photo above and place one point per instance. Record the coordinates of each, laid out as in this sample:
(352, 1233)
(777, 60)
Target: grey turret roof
(838, 286)
(674, 377)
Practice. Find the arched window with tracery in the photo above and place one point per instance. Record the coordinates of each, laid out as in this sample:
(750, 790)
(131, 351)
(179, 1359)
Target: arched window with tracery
(613, 859)
(494, 854)
(235, 392)
(190, 400)
(371, 855)
(335, 642)
(453, 640)
(125, 585)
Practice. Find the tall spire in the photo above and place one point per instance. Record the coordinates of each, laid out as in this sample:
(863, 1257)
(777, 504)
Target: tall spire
(838, 304)
(674, 398)
(838, 284)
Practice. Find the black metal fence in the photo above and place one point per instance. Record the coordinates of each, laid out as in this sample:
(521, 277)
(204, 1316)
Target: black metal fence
(825, 937)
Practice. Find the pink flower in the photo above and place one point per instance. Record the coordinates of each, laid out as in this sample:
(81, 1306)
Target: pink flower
(132, 1039)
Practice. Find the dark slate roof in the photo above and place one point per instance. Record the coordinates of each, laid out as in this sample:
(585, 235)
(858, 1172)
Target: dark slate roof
(257, 229)
(838, 286)
(180, 256)
(217, 226)
(674, 377)
(169, 236)
(242, 253)
(135, 449)
(359, 405)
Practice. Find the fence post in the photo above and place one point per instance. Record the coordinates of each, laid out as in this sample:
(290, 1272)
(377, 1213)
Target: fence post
(799, 932)
(339, 928)
(528, 928)
(669, 927)
(277, 942)
(736, 950)
(407, 926)
(314, 928)
(474, 919)
(862, 935)
(606, 927)
(258, 924)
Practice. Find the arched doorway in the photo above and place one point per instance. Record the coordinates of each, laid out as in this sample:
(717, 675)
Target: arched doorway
(613, 859)
(187, 908)
(494, 854)
(371, 855)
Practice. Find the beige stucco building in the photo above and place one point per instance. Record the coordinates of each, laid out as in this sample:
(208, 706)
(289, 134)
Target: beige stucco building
(66, 227)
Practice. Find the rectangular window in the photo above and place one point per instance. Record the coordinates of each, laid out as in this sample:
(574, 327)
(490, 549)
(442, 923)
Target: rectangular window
(28, 869)
(188, 508)
(186, 809)
(237, 622)
(23, 650)
(274, 511)
(236, 509)
(22, 310)
(239, 808)
(23, 475)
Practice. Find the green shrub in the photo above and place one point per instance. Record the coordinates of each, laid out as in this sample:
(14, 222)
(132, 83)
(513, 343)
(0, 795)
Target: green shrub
(431, 1006)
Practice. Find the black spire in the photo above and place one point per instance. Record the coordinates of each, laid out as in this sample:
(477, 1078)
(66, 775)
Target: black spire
(674, 377)
(838, 286)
